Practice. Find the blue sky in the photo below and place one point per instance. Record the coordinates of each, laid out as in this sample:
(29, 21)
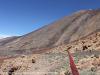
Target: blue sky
(18, 17)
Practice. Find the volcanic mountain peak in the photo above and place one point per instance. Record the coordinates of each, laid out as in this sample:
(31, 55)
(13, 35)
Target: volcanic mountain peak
(65, 30)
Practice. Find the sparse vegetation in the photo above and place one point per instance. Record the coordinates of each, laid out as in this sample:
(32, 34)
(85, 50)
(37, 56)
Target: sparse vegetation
(96, 55)
(93, 69)
(67, 73)
(33, 61)
(85, 47)
(12, 70)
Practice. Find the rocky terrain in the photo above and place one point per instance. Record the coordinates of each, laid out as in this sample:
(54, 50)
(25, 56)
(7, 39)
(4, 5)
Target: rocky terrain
(43, 52)
(55, 61)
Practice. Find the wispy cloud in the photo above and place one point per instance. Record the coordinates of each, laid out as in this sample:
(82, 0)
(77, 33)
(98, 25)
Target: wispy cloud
(4, 36)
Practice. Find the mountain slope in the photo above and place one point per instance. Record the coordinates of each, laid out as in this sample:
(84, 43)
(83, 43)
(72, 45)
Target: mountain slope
(81, 30)
(56, 62)
(65, 30)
